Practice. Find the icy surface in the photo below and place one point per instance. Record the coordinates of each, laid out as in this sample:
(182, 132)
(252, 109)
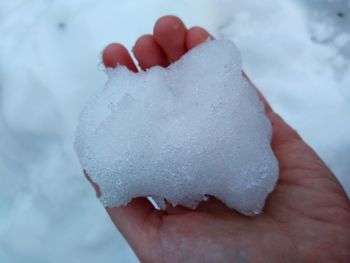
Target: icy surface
(196, 128)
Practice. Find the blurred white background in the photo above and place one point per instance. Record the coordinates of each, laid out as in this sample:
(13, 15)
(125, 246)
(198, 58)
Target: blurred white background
(296, 51)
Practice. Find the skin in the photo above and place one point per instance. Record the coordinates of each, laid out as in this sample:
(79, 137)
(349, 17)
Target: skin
(306, 217)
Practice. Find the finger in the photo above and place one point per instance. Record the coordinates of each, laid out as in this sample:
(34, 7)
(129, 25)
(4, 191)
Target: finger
(170, 34)
(116, 54)
(148, 53)
(195, 36)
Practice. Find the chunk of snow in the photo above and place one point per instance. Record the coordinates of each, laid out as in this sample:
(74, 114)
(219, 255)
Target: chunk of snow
(181, 133)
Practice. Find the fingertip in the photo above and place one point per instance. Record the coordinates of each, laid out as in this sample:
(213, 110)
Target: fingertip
(116, 54)
(164, 22)
(110, 54)
(148, 53)
(170, 33)
(195, 36)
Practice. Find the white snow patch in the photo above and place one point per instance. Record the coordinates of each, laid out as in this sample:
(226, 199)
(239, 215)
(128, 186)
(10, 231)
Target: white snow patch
(180, 133)
(49, 60)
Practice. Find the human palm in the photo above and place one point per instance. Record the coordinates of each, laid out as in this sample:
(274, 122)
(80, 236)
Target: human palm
(306, 217)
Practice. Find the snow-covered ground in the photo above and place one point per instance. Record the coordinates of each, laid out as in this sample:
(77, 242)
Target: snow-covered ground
(296, 51)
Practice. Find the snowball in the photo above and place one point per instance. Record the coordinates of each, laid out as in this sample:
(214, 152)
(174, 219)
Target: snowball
(181, 133)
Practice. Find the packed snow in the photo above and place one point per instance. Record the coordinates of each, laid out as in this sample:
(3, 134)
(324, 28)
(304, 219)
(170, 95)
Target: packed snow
(180, 133)
(295, 51)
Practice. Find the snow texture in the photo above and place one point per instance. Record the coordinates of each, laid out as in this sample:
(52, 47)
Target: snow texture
(180, 133)
(296, 53)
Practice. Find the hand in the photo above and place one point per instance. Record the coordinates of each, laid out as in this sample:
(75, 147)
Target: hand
(306, 218)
